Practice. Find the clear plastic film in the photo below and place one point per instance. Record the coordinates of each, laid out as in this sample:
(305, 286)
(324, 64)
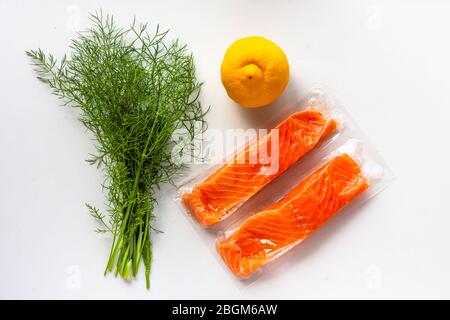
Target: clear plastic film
(249, 166)
(278, 206)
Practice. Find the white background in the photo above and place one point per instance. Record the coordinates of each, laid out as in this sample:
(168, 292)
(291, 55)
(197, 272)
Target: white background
(386, 61)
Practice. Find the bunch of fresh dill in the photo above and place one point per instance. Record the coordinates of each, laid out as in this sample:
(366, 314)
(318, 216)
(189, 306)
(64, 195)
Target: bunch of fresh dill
(134, 89)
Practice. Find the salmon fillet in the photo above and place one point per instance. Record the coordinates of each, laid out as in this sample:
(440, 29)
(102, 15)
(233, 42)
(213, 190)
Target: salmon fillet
(235, 182)
(267, 234)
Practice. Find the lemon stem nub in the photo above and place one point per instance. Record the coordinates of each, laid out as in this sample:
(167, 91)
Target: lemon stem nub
(252, 72)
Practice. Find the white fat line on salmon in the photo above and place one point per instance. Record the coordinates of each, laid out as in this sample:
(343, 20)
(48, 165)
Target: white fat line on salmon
(186, 310)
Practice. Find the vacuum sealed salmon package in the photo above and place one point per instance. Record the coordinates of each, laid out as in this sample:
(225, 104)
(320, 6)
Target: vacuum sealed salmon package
(346, 176)
(275, 190)
(256, 159)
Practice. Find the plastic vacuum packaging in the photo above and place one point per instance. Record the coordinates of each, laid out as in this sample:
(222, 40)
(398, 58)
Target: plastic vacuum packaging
(242, 174)
(323, 163)
(340, 179)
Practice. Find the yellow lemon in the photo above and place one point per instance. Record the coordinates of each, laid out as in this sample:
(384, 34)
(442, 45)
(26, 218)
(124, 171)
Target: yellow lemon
(254, 71)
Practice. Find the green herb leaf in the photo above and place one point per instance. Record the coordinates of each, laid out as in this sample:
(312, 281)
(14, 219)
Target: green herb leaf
(134, 89)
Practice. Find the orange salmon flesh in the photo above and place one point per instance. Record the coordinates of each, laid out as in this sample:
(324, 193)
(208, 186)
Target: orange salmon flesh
(274, 230)
(232, 184)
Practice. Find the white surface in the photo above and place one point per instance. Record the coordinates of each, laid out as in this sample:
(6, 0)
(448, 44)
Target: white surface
(386, 61)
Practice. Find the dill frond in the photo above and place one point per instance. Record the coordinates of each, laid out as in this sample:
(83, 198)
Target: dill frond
(134, 89)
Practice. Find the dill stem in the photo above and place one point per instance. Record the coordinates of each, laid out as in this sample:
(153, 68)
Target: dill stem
(135, 187)
(147, 270)
(137, 257)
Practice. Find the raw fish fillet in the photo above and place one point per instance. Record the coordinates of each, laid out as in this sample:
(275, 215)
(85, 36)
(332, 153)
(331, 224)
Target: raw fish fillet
(234, 183)
(282, 225)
